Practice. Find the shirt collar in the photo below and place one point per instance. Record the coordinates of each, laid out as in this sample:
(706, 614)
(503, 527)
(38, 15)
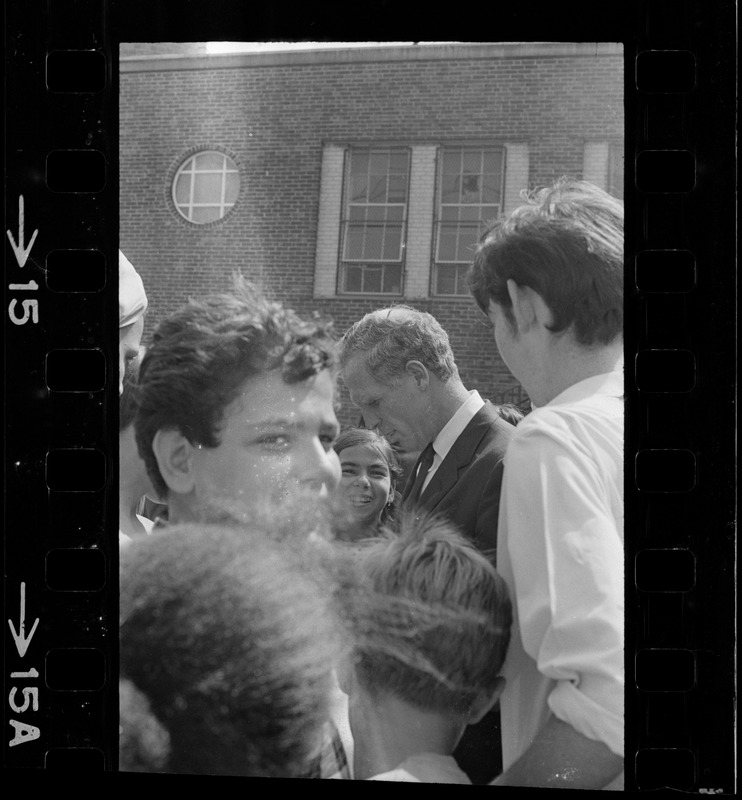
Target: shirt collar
(451, 431)
(610, 384)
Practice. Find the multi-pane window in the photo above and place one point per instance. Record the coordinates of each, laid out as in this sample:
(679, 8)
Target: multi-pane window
(374, 220)
(615, 170)
(469, 196)
(206, 187)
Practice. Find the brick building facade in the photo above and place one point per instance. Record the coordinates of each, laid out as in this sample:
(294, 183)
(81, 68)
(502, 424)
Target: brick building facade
(351, 179)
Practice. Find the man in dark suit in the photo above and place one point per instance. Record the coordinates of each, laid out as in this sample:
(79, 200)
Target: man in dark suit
(399, 368)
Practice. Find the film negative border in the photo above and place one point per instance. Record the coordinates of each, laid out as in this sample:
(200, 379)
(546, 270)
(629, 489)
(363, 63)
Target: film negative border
(61, 469)
(680, 579)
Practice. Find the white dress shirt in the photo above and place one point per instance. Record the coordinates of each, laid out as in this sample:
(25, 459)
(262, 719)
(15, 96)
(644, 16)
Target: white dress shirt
(560, 549)
(451, 431)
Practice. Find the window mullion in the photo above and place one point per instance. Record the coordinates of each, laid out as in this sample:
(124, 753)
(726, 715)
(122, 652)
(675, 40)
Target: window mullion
(223, 188)
(192, 188)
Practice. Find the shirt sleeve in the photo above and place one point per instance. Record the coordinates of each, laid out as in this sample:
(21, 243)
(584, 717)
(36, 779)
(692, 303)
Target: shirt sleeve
(567, 558)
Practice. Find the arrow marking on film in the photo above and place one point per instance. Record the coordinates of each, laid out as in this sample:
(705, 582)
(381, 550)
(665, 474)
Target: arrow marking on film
(21, 253)
(21, 640)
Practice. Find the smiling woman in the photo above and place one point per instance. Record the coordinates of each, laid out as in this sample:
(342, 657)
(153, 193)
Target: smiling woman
(367, 493)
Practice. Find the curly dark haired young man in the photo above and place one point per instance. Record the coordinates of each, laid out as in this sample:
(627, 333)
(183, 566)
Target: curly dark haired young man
(236, 405)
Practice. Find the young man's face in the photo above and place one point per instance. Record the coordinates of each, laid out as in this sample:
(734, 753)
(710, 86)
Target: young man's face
(396, 410)
(275, 439)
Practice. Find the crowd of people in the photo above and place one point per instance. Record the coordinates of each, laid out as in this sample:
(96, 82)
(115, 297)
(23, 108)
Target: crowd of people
(434, 596)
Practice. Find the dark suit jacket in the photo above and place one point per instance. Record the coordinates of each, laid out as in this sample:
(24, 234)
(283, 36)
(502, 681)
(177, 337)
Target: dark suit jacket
(466, 486)
(466, 489)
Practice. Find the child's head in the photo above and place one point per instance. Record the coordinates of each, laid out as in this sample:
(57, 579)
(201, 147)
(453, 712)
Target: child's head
(370, 470)
(510, 413)
(230, 638)
(433, 626)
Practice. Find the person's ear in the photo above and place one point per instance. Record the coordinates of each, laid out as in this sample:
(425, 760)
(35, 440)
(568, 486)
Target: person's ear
(174, 454)
(345, 675)
(485, 702)
(521, 304)
(419, 373)
(528, 307)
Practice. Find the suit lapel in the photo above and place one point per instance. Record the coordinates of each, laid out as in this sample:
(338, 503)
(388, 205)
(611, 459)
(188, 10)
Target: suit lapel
(459, 456)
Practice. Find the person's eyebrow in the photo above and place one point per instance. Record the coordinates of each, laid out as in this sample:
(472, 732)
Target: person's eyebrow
(287, 422)
(379, 463)
(277, 422)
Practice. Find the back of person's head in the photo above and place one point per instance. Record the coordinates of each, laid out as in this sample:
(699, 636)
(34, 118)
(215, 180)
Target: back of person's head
(567, 244)
(510, 413)
(202, 354)
(230, 637)
(433, 626)
(390, 337)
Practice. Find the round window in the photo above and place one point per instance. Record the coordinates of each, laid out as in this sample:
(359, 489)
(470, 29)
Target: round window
(206, 186)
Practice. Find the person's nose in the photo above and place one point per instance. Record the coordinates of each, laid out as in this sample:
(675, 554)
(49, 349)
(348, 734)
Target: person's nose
(362, 480)
(371, 419)
(320, 469)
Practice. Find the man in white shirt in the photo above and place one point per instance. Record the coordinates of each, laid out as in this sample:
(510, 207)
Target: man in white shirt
(550, 278)
(399, 368)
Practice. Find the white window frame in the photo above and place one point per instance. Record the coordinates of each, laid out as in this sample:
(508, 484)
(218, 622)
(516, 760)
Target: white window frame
(380, 264)
(462, 266)
(598, 166)
(418, 271)
(616, 169)
(188, 167)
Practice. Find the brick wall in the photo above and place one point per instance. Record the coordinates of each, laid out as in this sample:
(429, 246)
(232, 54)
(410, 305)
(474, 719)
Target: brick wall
(273, 120)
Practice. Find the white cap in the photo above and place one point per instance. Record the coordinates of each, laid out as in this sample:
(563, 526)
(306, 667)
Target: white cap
(132, 299)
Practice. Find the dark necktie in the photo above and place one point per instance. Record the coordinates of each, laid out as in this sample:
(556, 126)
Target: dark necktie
(424, 463)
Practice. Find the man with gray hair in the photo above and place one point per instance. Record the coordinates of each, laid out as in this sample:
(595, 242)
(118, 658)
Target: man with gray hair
(399, 368)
